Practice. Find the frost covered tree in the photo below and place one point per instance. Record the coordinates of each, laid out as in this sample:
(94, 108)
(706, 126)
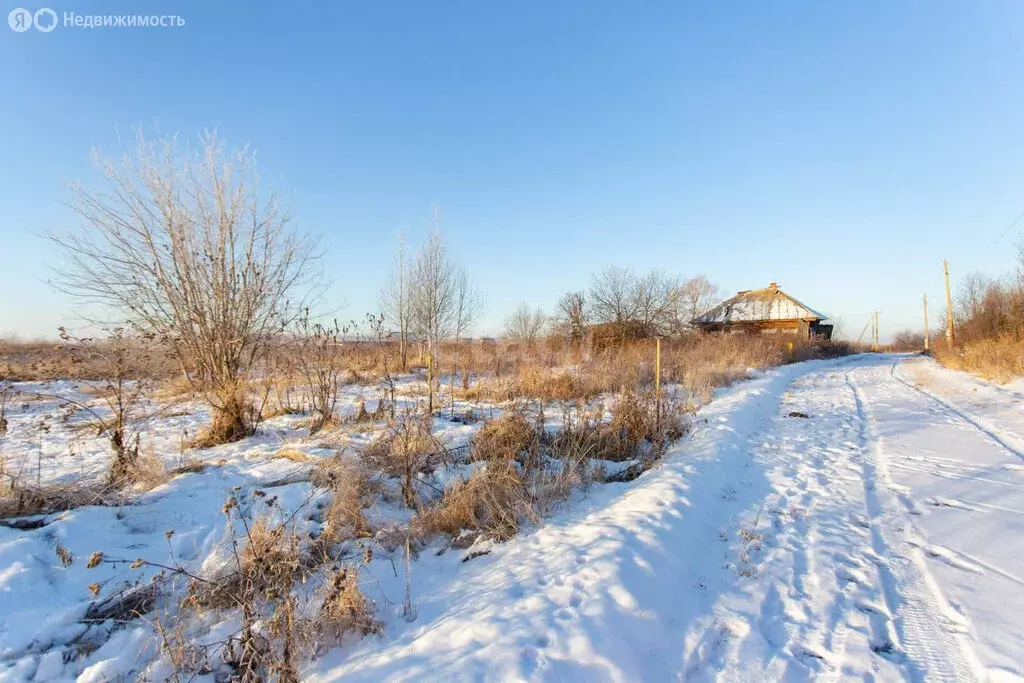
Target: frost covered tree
(184, 244)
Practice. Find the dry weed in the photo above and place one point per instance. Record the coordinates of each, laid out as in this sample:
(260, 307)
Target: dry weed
(504, 439)
(343, 516)
(345, 609)
(293, 454)
(404, 450)
(1000, 359)
(492, 502)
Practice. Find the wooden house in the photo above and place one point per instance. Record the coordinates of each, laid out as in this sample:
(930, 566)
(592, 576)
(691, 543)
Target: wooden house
(764, 311)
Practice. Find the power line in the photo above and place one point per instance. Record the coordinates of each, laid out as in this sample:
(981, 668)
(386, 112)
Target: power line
(1004, 233)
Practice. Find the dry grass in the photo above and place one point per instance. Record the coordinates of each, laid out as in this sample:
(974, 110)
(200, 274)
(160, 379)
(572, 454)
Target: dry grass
(24, 500)
(266, 584)
(173, 390)
(1000, 359)
(405, 449)
(345, 609)
(20, 497)
(699, 363)
(267, 564)
(508, 438)
(148, 471)
(293, 455)
(989, 327)
(496, 498)
(639, 427)
(492, 502)
(38, 361)
(525, 475)
(343, 517)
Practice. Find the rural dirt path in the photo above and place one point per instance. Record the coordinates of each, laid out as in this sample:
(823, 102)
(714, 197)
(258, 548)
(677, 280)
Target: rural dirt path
(851, 519)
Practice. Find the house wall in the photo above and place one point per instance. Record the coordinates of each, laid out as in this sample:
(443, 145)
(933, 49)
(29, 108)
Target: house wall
(798, 328)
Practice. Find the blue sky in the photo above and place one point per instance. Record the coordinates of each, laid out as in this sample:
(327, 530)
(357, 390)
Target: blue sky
(839, 148)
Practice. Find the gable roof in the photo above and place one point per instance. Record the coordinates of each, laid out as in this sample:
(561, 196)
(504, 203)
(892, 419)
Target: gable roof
(757, 305)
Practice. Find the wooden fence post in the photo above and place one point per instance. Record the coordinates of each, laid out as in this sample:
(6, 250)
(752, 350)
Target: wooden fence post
(657, 382)
(927, 333)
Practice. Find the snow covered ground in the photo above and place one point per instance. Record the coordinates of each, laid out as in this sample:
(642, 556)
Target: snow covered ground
(878, 538)
(857, 518)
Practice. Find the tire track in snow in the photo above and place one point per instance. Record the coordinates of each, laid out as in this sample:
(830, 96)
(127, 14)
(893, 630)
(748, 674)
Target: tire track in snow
(930, 650)
(978, 423)
(955, 475)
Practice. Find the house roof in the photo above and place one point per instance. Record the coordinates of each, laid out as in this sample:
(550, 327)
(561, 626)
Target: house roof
(758, 305)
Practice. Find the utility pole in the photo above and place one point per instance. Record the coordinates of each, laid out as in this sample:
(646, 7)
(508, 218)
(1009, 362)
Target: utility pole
(927, 333)
(950, 332)
(875, 347)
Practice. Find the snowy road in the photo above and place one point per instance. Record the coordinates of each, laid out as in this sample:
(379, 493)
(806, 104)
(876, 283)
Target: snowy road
(850, 519)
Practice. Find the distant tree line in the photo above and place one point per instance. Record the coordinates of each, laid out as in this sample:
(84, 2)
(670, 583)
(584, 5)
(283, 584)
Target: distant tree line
(620, 303)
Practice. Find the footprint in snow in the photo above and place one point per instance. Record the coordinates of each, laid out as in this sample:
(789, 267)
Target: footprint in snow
(810, 656)
(850, 575)
(869, 607)
(532, 660)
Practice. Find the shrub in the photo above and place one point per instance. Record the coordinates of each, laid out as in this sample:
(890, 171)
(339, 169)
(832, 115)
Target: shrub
(999, 359)
(404, 449)
(491, 502)
(345, 609)
(505, 439)
(343, 516)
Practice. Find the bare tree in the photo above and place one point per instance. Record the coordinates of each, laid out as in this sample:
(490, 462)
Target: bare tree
(185, 246)
(696, 295)
(397, 304)
(970, 294)
(525, 325)
(444, 303)
(469, 306)
(655, 295)
(571, 317)
(318, 359)
(434, 296)
(613, 295)
(644, 305)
